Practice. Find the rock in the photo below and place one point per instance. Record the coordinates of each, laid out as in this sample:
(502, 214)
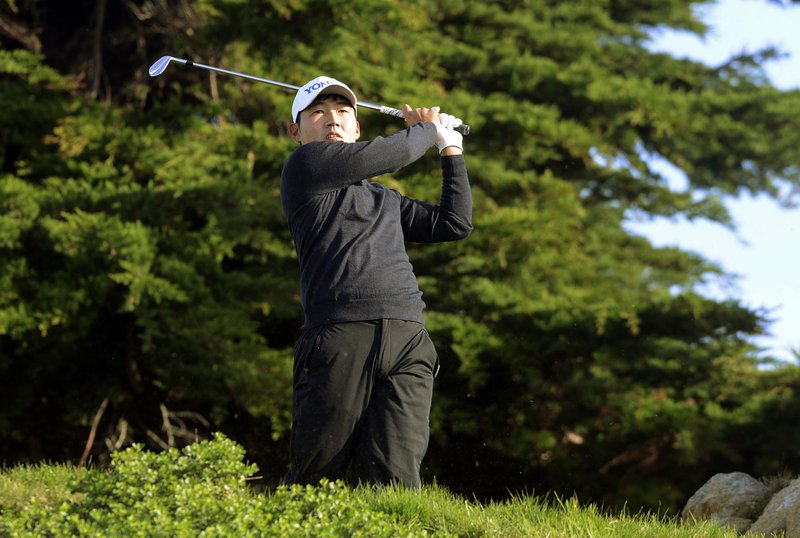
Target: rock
(739, 524)
(782, 514)
(733, 499)
(793, 523)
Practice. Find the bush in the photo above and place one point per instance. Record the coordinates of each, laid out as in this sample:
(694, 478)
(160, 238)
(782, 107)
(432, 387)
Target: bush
(198, 491)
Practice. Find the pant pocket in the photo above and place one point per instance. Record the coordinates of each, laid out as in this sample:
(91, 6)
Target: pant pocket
(435, 365)
(304, 349)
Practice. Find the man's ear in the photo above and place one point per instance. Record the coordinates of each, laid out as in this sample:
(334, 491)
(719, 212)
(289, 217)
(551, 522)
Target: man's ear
(294, 131)
(358, 130)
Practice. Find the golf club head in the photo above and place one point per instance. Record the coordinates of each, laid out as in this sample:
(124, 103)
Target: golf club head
(160, 65)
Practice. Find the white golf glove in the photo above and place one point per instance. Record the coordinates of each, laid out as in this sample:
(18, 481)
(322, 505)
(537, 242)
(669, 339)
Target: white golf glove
(447, 137)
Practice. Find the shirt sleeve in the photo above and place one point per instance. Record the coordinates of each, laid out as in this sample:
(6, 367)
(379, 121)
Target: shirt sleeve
(451, 218)
(320, 167)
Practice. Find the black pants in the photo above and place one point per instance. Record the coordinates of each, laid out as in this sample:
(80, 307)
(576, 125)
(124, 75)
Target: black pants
(362, 398)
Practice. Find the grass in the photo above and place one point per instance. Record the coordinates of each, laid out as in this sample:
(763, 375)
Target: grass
(525, 516)
(432, 508)
(48, 484)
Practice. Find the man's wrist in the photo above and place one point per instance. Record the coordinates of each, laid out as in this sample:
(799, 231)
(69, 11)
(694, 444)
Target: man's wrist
(451, 150)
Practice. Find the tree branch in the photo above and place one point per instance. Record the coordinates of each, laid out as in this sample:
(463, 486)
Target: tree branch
(20, 33)
(97, 48)
(93, 431)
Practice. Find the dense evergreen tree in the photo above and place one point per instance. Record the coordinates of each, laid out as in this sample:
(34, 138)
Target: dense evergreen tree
(148, 285)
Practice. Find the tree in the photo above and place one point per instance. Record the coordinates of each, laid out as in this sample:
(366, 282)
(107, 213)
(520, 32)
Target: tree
(149, 282)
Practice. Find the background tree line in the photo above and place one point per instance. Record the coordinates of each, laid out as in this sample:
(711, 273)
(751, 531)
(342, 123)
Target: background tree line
(149, 286)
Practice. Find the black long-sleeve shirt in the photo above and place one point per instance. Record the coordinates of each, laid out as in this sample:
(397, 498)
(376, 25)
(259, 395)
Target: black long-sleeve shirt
(349, 233)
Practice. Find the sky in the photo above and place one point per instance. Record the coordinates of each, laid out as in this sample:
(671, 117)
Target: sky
(762, 249)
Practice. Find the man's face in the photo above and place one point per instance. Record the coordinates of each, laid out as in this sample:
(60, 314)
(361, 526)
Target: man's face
(329, 117)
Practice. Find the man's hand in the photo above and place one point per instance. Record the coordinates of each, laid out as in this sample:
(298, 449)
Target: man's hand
(417, 115)
(448, 141)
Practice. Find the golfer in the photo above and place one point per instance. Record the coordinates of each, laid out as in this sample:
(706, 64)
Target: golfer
(364, 364)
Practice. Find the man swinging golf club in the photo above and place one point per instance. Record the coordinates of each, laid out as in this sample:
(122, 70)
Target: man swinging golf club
(364, 363)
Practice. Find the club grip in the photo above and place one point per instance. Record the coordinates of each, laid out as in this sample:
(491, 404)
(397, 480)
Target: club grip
(463, 128)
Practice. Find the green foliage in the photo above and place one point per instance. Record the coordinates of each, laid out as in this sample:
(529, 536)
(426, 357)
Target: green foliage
(31, 93)
(199, 491)
(145, 260)
(151, 259)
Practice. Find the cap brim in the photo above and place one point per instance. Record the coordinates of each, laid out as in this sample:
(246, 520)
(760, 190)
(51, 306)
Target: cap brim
(305, 97)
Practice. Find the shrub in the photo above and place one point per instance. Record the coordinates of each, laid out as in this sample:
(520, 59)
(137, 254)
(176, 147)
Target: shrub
(198, 491)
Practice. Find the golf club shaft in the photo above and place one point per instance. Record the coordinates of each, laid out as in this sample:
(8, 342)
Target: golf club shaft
(161, 64)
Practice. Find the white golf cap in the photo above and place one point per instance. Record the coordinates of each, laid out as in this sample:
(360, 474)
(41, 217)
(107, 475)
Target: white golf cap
(320, 86)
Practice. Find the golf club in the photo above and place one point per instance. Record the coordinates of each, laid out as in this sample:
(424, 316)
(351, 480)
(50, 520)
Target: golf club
(160, 65)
